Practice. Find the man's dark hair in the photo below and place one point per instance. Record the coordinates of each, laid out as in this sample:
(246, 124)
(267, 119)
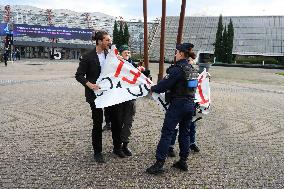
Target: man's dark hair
(99, 35)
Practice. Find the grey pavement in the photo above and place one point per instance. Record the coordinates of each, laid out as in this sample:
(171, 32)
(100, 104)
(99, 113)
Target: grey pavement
(45, 133)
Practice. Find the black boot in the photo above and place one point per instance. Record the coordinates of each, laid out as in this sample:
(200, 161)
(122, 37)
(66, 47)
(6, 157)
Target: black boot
(99, 158)
(126, 150)
(181, 164)
(118, 151)
(194, 148)
(171, 152)
(157, 168)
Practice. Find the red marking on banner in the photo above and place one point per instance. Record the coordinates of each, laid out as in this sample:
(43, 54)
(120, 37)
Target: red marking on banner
(118, 70)
(203, 100)
(148, 81)
(133, 81)
(116, 51)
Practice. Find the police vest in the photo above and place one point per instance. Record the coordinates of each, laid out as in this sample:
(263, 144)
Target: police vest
(185, 87)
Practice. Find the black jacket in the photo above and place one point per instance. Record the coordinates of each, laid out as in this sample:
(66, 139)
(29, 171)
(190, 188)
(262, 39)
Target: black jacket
(89, 70)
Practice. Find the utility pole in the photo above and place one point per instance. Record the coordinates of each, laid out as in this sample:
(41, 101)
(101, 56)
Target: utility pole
(162, 41)
(181, 21)
(146, 60)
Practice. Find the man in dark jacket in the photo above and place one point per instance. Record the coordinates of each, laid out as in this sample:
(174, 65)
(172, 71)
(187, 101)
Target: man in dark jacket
(87, 74)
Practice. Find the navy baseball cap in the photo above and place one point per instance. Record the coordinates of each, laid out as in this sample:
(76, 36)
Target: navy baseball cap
(184, 47)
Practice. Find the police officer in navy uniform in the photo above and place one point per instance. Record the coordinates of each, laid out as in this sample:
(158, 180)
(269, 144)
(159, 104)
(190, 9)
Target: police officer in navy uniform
(180, 85)
(193, 147)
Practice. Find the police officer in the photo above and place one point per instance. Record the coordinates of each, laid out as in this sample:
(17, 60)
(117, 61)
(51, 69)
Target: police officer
(180, 85)
(193, 147)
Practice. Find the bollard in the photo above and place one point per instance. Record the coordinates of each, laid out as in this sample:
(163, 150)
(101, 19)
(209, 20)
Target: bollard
(203, 66)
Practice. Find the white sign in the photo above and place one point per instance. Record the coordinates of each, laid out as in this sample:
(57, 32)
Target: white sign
(120, 81)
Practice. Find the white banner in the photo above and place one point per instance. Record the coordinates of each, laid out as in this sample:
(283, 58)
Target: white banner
(120, 81)
(202, 95)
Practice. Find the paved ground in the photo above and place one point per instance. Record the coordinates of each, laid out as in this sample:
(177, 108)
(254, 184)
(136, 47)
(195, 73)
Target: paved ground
(45, 128)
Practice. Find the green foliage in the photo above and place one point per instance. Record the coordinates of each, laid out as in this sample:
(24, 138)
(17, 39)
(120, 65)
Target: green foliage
(255, 60)
(121, 36)
(126, 35)
(218, 41)
(224, 55)
(115, 33)
(281, 73)
(230, 43)
(224, 42)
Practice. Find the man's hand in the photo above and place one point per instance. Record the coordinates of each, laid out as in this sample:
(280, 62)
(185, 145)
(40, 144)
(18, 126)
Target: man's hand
(150, 92)
(93, 86)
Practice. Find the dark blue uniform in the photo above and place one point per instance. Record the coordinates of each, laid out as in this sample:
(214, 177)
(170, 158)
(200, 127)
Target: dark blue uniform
(180, 111)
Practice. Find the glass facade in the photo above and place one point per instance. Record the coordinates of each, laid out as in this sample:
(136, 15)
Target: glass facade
(253, 35)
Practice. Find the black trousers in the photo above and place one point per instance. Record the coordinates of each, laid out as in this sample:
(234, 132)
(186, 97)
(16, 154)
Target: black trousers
(128, 112)
(107, 117)
(97, 116)
(115, 116)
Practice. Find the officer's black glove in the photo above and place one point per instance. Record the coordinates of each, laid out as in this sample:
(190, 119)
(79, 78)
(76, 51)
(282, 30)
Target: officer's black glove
(146, 73)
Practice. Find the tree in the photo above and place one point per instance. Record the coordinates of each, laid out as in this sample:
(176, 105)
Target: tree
(115, 33)
(224, 55)
(126, 35)
(218, 41)
(224, 42)
(230, 41)
(120, 36)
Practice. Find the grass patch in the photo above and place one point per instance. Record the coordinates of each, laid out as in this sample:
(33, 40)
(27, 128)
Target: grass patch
(281, 73)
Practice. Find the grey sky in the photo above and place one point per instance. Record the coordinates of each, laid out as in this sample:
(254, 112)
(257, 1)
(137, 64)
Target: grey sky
(134, 8)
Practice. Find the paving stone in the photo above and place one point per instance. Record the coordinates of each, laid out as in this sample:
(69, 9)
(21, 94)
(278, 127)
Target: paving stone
(45, 133)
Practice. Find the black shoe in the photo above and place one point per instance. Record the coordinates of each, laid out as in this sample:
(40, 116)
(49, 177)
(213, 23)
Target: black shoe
(182, 165)
(194, 148)
(126, 150)
(99, 158)
(171, 152)
(156, 169)
(119, 153)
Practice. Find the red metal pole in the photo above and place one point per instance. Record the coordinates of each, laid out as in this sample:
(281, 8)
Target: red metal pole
(146, 60)
(162, 41)
(181, 21)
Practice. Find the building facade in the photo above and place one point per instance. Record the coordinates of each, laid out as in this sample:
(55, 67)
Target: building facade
(253, 35)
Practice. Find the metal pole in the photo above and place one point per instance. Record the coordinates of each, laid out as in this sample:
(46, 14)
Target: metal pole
(181, 21)
(162, 41)
(146, 61)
